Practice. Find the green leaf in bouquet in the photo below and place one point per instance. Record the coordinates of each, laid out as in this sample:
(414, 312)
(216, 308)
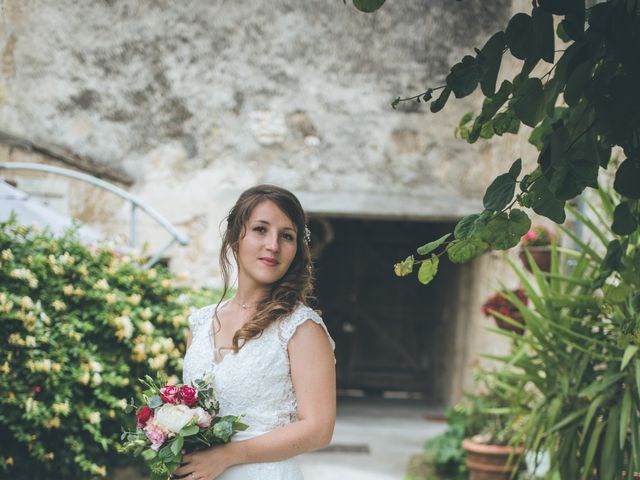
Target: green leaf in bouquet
(165, 453)
(155, 401)
(177, 444)
(190, 430)
(149, 454)
(223, 429)
(239, 426)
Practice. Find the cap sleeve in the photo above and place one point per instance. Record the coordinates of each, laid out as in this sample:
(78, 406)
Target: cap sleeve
(300, 315)
(200, 317)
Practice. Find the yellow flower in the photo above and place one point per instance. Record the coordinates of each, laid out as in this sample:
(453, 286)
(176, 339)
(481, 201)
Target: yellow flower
(124, 327)
(49, 456)
(159, 361)
(78, 292)
(178, 321)
(6, 307)
(30, 404)
(172, 380)
(82, 270)
(111, 298)
(7, 254)
(122, 403)
(4, 368)
(26, 303)
(53, 423)
(3, 297)
(94, 418)
(16, 339)
(146, 313)
(68, 290)
(56, 367)
(101, 284)
(139, 353)
(96, 379)
(30, 341)
(45, 318)
(166, 283)
(102, 471)
(95, 366)
(84, 379)
(75, 336)
(134, 299)
(8, 460)
(155, 348)
(152, 273)
(58, 305)
(44, 365)
(112, 414)
(146, 327)
(62, 408)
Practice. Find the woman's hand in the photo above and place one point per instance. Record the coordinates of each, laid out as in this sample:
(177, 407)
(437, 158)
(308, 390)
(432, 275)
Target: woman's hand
(204, 464)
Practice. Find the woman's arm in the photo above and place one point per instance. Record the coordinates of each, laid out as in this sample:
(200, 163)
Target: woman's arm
(314, 380)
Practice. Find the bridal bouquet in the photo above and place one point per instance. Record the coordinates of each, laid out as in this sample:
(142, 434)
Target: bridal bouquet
(174, 418)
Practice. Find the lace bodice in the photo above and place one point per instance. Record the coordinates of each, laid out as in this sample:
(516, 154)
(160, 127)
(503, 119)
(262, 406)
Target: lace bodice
(255, 381)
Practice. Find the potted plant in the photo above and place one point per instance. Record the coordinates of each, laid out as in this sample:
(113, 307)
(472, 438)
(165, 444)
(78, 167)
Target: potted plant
(493, 450)
(505, 313)
(579, 357)
(537, 242)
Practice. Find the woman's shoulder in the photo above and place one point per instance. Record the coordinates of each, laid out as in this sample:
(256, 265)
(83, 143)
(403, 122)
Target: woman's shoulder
(301, 314)
(200, 316)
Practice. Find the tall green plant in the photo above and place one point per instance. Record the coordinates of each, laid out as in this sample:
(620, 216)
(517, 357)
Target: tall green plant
(579, 360)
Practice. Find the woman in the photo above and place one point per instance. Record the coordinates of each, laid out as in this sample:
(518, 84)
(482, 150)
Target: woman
(271, 356)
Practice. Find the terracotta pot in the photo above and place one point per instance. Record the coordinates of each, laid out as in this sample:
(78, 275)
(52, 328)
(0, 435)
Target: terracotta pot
(541, 255)
(491, 462)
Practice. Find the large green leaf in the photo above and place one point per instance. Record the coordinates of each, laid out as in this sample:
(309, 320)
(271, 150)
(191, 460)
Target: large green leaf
(431, 246)
(441, 101)
(542, 26)
(592, 446)
(625, 417)
(577, 82)
(610, 452)
(428, 270)
(405, 267)
(504, 231)
(545, 203)
(624, 221)
(500, 192)
(368, 6)
(491, 57)
(528, 102)
(461, 251)
(601, 384)
(464, 76)
(627, 181)
(519, 34)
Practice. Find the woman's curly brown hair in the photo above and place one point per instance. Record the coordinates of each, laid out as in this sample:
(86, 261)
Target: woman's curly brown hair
(295, 286)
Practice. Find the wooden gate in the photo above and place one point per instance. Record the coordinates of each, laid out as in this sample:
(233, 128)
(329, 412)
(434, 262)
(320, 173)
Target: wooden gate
(390, 332)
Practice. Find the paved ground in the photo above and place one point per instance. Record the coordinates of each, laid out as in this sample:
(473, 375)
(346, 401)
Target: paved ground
(390, 430)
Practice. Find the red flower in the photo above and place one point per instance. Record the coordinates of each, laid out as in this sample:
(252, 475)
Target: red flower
(170, 394)
(143, 415)
(36, 389)
(188, 395)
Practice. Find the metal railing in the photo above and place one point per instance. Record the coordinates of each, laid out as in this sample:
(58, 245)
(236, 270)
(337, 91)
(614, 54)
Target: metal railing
(135, 203)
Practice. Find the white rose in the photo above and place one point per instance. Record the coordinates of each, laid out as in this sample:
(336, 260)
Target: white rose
(203, 419)
(173, 417)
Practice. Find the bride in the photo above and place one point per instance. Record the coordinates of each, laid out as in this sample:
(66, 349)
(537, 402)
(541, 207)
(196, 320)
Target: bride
(269, 354)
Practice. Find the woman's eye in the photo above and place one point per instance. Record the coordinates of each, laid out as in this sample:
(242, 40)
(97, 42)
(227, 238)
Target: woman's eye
(259, 229)
(288, 236)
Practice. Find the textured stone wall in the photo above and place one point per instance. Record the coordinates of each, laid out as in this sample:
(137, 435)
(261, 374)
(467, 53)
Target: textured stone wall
(197, 100)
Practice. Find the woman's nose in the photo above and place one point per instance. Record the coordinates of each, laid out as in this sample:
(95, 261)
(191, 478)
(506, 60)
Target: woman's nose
(273, 243)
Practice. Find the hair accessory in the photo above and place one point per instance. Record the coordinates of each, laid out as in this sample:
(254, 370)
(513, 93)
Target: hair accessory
(307, 235)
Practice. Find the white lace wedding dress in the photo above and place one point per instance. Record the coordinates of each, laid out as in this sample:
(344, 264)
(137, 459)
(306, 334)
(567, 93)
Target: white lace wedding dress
(255, 381)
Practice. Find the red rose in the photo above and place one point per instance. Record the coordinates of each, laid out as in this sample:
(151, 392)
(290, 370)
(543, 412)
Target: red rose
(188, 395)
(36, 389)
(170, 394)
(144, 414)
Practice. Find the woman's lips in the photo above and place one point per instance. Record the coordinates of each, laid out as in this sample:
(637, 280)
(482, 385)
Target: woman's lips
(269, 262)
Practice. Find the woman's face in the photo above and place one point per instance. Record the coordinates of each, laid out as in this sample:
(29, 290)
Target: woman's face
(267, 246)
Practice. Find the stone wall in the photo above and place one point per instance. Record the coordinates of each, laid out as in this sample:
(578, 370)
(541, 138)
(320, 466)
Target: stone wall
(198, 100)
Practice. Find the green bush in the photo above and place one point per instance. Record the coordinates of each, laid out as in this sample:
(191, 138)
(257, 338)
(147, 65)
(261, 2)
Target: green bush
(78, 326)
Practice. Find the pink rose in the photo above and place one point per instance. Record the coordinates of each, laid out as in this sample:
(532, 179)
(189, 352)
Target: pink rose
(170, 394)
(155, 435)
(188, 395)
(202, 417)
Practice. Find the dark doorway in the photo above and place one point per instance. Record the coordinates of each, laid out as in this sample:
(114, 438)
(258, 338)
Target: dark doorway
(391, 333)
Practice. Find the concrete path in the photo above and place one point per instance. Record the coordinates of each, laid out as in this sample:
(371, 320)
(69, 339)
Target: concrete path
(373, 440)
